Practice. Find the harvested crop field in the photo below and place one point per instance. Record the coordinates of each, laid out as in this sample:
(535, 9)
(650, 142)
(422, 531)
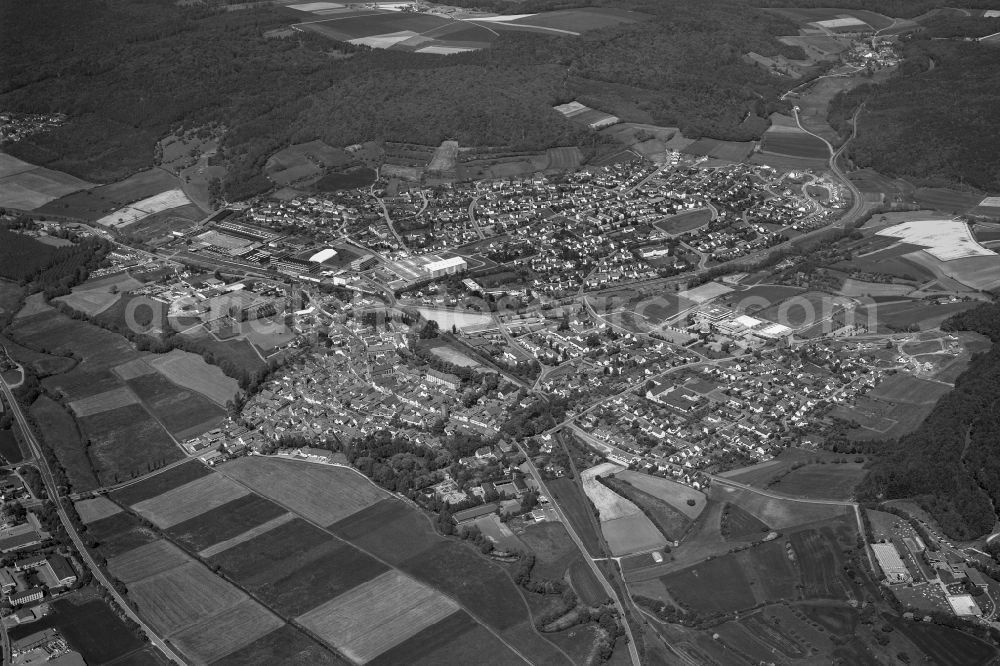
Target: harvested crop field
(26, 186)
(127, 442)
(147, 560)
(182, 597)
(192, 372)
(793, 142)
(675, 494)
(162, 482)
(829, 481)
(271, 555)
(389, 530)
(225, 521)
(319, 493)
(90, 302)
(730, 589)
(330, 569)
(554, 550)
(574, 503)
(777, 513)
(226, 632)
(482, 586)
(732, 151)
(132, 369)
(609, 504)
(103, 402)
(92, 510)
(905, 388)
(60, 433)
(243, 537)
(190, 500)
(105, 199)
(457, 639)
(632, 534)
(183, 413)
(286, 646)
(376, 616)
(120, 533)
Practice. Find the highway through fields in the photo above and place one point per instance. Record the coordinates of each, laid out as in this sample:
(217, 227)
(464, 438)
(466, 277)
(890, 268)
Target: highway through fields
(612, 593)
(53, 492)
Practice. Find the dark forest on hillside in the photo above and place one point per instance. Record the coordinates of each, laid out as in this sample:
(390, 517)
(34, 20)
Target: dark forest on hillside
(951, 462)
(127, 71)
(936, 124)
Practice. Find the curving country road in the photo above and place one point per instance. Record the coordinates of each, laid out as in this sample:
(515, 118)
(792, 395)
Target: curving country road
(52, 490)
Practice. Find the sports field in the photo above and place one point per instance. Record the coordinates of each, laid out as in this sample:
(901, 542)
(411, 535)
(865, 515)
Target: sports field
(377, 615)
(686, 221)
(319, 493)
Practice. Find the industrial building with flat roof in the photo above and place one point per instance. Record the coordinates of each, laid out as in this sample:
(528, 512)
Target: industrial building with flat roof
(448, 266)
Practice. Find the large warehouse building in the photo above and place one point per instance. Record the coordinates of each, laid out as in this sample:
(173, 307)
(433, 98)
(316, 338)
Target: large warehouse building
(448, 266)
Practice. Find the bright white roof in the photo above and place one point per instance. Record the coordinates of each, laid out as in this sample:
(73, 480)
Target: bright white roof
(445, 263)
(323, 255)
(749, 322)
(944, 239)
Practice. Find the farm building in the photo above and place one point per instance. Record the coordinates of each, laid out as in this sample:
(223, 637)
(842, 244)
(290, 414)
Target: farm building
(891, 564)
(469, 515)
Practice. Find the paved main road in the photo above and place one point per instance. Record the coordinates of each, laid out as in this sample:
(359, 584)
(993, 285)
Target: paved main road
(53, 492)
(612, 593)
